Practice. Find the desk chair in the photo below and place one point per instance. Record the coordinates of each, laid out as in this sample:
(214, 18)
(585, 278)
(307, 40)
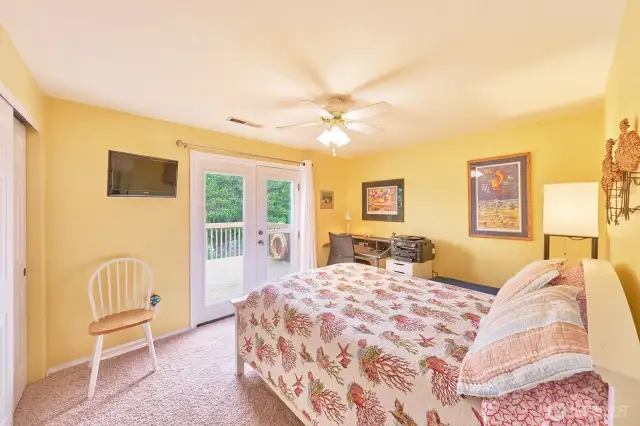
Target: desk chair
(125, 305)
(340, 249)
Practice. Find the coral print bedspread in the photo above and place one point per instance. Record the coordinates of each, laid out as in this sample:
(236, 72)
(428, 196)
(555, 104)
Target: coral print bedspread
(351, 344)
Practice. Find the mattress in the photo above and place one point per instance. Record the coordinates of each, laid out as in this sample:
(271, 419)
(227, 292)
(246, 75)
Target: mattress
(354, 344)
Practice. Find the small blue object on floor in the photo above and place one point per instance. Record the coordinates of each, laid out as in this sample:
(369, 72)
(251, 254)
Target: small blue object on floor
(464, 284)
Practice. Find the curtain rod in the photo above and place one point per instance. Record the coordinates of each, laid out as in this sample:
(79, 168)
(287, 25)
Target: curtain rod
(182, 144)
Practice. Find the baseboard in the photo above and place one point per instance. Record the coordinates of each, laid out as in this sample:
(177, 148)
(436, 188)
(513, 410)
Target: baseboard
(114, 351)
(215, 320)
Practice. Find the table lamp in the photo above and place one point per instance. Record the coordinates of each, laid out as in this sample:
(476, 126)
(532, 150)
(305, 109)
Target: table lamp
(571, 211)
(348, 219)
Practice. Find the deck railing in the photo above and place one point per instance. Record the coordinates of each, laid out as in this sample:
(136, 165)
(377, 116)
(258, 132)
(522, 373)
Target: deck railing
(227, 239)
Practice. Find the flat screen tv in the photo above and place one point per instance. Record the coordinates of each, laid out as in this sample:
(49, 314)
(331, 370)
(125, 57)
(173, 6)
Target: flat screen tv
(133, 175)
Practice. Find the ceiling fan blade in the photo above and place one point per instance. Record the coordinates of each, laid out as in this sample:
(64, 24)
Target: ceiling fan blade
(319, 110)
(378, 108)
(315, 123)
(363, 128)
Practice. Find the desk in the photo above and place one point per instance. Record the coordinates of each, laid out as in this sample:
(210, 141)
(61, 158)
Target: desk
(370, 248)
(371, 255)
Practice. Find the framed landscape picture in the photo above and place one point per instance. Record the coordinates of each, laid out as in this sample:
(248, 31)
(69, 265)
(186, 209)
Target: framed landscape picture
(500, 197)
(383, 200)
(326, 199)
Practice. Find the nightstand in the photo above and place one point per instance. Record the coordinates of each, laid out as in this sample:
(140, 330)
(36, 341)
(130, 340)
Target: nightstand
(421, 270)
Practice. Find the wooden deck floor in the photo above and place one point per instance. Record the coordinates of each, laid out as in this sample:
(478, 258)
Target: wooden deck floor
(225, 277)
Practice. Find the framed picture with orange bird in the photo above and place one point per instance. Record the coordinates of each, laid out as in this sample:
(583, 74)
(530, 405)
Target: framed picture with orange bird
(500, 197)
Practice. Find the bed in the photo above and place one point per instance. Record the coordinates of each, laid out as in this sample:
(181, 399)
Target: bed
(356, 345)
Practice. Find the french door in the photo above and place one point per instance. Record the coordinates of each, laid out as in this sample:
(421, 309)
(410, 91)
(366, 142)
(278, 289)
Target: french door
(244, 229)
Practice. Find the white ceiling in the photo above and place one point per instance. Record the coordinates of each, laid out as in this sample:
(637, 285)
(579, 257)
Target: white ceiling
(446, 66)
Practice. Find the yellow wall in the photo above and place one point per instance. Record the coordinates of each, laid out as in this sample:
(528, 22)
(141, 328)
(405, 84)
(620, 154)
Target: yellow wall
(564, 148)
(36, 255)
(85, 227)
(623, 100)
(17, 78)
(330, 174)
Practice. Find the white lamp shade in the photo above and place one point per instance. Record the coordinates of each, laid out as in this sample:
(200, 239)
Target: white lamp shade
(334, 135)
(339, 137)
(325, 138)
(571, 209)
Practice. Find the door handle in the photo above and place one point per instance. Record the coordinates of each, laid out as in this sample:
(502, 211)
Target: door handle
(260, 242)
(24, 272)
(260, 232)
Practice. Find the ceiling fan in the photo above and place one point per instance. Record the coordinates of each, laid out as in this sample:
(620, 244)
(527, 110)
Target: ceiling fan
(337, 120)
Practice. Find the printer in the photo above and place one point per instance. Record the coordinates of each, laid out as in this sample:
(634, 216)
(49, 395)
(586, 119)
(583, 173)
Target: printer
(412, 249)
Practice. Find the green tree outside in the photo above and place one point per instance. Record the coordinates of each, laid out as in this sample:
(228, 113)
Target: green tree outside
(224, 196)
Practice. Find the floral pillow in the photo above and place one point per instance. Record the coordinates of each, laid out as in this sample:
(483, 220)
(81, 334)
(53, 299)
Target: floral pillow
(578, 400)
(530, 278)
(570, 276)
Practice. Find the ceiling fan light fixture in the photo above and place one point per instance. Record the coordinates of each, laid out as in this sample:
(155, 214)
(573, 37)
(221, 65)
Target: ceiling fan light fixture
(325, 138)
(339, 137)
(335, 136)
(336, 119)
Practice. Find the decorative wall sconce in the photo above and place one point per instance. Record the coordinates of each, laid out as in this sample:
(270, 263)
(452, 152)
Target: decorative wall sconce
(619, 173)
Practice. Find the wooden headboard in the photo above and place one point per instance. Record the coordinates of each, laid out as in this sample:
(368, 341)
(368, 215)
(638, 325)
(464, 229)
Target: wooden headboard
(613, 341)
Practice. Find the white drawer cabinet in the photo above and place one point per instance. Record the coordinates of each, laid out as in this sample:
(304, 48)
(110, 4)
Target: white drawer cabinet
(421, 270)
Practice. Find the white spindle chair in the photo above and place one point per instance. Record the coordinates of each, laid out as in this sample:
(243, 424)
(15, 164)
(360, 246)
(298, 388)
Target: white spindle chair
(123, 288)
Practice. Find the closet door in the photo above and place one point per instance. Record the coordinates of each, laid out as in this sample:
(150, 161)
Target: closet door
(6, 263)
(19, 259)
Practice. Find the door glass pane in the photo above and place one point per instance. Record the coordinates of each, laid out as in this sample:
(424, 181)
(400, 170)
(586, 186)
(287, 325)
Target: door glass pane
(279, 260)
(279, 209)
(224, 205)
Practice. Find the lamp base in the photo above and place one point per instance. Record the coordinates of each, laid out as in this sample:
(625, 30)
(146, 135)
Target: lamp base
(594, 244)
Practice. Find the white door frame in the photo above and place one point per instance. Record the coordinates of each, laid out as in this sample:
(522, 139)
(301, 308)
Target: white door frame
(197, 252)
(202, 163)
(17, 106)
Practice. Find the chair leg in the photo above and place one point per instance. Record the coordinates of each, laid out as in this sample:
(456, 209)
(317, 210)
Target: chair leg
(152, 350)
(90, 362)
(96, 364)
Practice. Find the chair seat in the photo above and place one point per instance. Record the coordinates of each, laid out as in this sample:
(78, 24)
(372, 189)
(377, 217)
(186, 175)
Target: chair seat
(120, 321)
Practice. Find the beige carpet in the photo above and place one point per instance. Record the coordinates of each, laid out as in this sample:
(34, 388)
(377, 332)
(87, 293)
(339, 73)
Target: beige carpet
(194, 385)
